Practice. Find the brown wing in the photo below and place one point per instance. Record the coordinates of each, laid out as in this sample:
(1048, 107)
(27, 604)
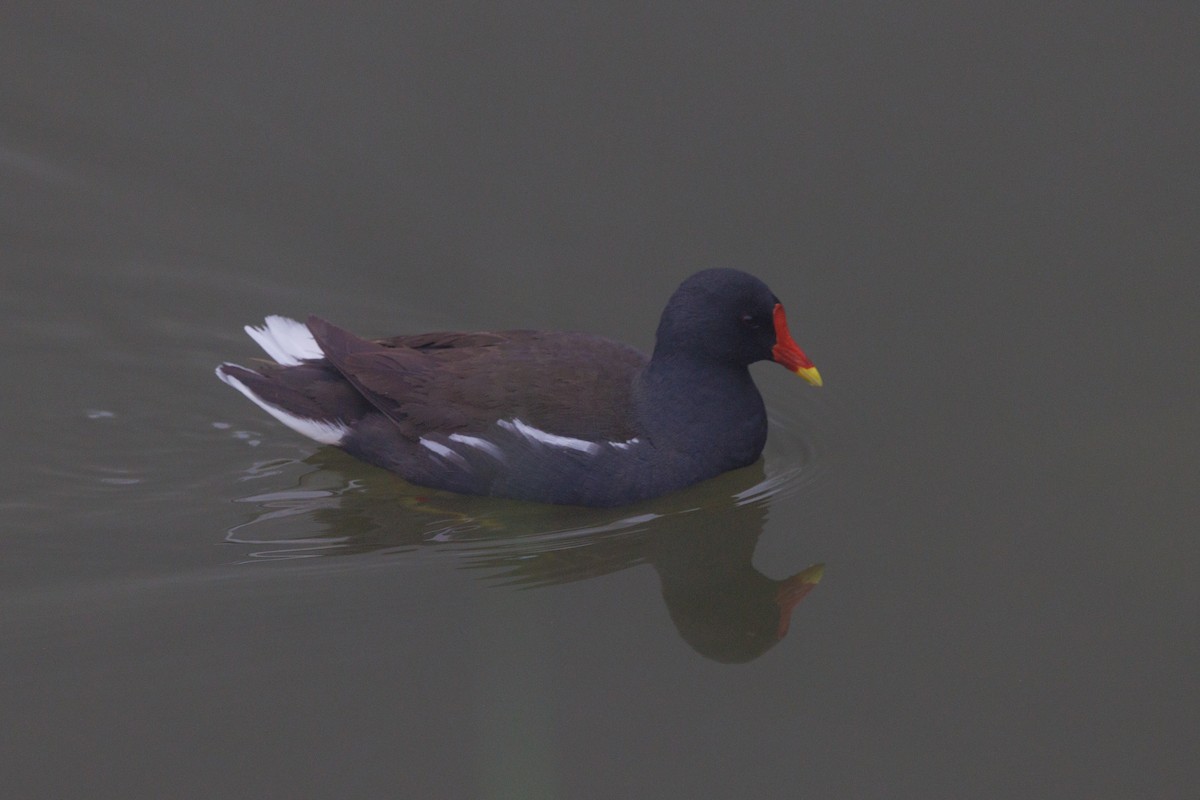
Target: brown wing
(570, 384)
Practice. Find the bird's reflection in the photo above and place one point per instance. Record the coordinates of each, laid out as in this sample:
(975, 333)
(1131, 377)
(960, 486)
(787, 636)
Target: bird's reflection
(700, 542)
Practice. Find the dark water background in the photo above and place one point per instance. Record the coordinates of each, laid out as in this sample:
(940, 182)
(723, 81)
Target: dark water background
(985, 224)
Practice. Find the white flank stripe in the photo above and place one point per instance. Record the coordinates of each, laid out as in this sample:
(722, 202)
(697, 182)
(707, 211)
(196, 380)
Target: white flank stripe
(554, 440)
(479, 444)
(444, 452)
(315, 429)
(287, 341)
(626, 444)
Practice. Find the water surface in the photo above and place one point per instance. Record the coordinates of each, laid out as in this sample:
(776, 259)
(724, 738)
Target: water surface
(982, 224)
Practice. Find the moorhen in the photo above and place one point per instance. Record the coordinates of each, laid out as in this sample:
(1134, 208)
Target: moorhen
(549, 417)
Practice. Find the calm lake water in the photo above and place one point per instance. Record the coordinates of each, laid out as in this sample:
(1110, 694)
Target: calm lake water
(984, 225)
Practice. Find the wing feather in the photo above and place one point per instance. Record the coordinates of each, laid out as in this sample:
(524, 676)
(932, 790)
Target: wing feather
(568, 384)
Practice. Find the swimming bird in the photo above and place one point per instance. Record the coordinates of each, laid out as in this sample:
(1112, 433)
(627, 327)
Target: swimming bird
(543, 416)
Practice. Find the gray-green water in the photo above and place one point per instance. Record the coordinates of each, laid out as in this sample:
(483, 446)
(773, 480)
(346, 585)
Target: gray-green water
(984, 226)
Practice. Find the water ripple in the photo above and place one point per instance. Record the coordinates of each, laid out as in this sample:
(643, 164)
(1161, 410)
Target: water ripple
(328, 512)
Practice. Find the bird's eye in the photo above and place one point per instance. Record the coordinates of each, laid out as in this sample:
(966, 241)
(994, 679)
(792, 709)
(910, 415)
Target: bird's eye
(750, 322)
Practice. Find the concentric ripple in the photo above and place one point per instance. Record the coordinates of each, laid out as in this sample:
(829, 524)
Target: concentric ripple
(337, 506)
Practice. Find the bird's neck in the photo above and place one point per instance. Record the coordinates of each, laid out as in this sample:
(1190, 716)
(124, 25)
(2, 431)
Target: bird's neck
(708, 410)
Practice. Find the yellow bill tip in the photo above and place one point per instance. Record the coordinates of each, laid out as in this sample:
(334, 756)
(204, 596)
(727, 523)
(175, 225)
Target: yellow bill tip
(809, 374)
